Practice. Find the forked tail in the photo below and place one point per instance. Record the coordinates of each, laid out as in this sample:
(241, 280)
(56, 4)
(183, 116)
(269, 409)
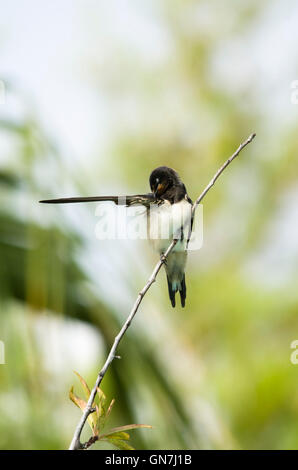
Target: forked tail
(174, 287)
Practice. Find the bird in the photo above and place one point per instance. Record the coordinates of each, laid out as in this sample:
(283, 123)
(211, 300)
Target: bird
(169, 216)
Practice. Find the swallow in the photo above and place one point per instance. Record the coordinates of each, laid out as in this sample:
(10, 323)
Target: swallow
(169, 216)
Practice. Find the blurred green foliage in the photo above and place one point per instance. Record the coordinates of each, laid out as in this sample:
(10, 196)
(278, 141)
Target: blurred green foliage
(98, 419)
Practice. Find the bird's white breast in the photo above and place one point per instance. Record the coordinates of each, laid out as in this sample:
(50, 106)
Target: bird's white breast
(165, 220)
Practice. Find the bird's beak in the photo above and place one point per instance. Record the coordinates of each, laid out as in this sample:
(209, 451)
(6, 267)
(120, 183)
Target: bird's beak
(159, 190)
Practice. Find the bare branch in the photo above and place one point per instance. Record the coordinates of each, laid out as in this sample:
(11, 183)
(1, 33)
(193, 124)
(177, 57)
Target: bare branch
(219, 172)
(75, 443)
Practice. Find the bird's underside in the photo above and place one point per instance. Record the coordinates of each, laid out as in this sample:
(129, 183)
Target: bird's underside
(136, 199)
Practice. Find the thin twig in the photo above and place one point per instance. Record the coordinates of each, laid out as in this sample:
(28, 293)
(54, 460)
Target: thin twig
(219, 172)
(75, 443)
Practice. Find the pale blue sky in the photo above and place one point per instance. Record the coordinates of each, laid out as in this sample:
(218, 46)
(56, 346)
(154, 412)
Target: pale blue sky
(44, 47)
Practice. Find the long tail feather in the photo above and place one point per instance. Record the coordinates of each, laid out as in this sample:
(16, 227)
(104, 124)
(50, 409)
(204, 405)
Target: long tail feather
(172, 293)
(182, 291)
(137, 199)
(174, 287)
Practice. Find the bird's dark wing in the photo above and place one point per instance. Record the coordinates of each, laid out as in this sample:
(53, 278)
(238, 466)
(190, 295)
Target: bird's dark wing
(137, 199)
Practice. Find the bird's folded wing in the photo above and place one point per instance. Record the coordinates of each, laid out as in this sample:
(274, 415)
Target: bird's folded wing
(137, 199)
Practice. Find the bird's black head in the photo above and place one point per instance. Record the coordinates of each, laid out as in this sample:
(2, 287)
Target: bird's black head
(162, 179)
(166, 184)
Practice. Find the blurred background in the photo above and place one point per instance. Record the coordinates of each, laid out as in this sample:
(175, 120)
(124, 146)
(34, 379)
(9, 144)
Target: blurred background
(94, 95)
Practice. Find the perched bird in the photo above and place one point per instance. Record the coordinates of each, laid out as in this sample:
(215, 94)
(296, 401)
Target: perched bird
(168, 210)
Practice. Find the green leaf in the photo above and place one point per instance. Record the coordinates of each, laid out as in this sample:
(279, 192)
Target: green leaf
(101, 396)
(100, 409)
(84, 384)
(92, 420)
(79, 402)
(109, 409)
(127, 427)
(122, 445)
(116, 435)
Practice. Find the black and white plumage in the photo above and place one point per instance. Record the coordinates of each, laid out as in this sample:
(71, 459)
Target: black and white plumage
(167, 217)
(168, 209)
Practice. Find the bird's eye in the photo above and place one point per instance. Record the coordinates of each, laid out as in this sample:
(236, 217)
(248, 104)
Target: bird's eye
(157, 180)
